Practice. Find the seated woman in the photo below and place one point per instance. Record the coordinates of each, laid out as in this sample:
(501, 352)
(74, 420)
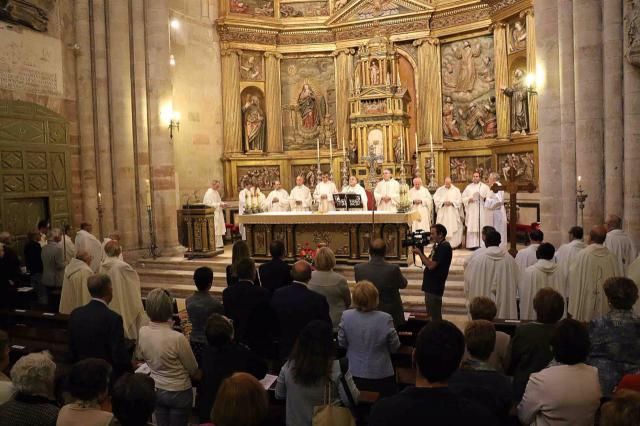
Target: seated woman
(483, 308)
(241, 401)
(310, 371)
(615, 338)
(88, 385)
(33, 378)
(370, 338)
(568, 389)
(330, 284)
(220, 359)
(622, 410)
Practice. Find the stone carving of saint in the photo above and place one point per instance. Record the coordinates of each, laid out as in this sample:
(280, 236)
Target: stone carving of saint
(491, 122)
(397, 150)
(250, 69)
(308, 107)
(374, 71)
(474, 121)
(353, 153)
(449, 122)
(518, 36)
(519, 103)
(466, 67)
(254, 124)
(448, 75)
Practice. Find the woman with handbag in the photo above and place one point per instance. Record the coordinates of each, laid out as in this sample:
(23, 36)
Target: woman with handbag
(317, 389)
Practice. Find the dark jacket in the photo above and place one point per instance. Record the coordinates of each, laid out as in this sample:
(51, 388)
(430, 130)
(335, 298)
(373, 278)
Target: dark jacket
(32, 257)
(295, 306)
(388, 280)
(95, 331)
(28, 410)
(275, 274)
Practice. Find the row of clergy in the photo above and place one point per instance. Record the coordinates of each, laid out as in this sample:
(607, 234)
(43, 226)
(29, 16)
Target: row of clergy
(477, 206)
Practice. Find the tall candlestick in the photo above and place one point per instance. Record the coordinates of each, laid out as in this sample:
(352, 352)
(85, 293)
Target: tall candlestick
(330, 151)
(148, 191)
(416, 145)
(318, 149)
(431, 141)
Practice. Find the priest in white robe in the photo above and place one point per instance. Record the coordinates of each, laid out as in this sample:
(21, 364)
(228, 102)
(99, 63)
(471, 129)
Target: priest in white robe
(300, 196)
(619, 243)
(591, 268)
(476, 215)
(493, 274)
(485, 230)
(544, 273)
(387, 193)
(567, 253)
(68, 246)
(421, 202)
(355, 188)
(495, 203)
(278, 199)
(528, 255)
(127, 298)
(74, 286)
(113, 236)
(448, 202)
(323, 194)
(212, 199)
(87, 242)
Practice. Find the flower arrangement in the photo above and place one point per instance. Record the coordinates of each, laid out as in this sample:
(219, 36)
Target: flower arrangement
(308, 253)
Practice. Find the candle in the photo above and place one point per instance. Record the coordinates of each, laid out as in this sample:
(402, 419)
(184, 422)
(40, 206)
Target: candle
(330, 151)
(318, 148)
(416, 145)
(148, 191)
(99, 198)
(344, 151)
(431, 141)
(579, 178)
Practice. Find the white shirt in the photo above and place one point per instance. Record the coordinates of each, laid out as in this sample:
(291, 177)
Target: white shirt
(327, 189)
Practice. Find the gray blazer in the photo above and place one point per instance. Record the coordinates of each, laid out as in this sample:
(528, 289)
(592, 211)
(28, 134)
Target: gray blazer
(52, 265)
(334, 287)
(388, 280)
(370, 338)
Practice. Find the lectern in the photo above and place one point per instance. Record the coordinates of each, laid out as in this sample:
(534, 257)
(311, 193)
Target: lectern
(196, 230)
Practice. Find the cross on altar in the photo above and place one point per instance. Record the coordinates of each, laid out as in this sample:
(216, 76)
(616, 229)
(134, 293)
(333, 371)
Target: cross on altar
(371, 158)
(513, 187)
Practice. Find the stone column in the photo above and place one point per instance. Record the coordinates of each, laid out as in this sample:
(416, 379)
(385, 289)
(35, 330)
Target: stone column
(568, 180)
(613, 104)
(231, 101)
(503, 113)
(531, 68)
(274, 103)
(430, 88)
(587, 43)
(161, 162)
(344, 76)
(549, 143)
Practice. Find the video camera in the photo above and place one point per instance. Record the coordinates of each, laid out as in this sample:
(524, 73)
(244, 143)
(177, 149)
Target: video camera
(419, 239)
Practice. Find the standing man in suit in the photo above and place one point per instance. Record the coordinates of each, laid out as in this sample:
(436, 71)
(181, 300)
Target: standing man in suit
(386, 277)
(275, 273)
(95, 331)
(295, 306)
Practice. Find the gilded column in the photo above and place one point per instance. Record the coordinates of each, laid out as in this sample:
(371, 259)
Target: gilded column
(273, 106)
(429, 107)
(231, 101)
(531, 68)
(502, 79)
(344, 76)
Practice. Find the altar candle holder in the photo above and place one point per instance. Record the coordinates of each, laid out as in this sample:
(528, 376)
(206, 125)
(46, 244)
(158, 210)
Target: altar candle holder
(581, 197)
(100, 209)
(433, 186)
(153, 248)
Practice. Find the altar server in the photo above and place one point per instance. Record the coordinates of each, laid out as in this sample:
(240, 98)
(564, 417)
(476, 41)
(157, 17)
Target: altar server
(448, 202)
(476, 214)
(278, 199)
(421, 202)
(355, 188)
(324, 193)
(300, 197)
(619, 243)
(545, 272)
(495, 203)
(212, 199)
(387, 193)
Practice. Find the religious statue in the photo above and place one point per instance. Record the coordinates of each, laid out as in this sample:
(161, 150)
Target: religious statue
(449, 122)
(328, 129)
(519, 103)
(308, 108)
(466, 77)
(448, 75)
(254, 124)
(474, 121)
(353, 153)
(250, 69)
(487, 71)
(518, 36)
(397, 150)
(374, 71)
(491, 121)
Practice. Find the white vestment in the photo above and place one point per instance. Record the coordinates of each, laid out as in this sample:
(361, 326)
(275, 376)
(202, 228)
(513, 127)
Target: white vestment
(565, 256)
(127, 299)
(327, 189)
(387, 188)
(634, 274)
(104, 253)
(544, 273)
(69, 249)
(495, 203)
(493, 273)
(300, 193)
(88, 243)
(357, 189)
(449, 216)
(282, 205)
(591, 268)
(476, 214)
(212, 199)
(74, 287)
(622, 247)
(527, 257)
(425, 208)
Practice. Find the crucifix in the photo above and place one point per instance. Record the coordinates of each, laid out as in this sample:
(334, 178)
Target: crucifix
(372, 158)
(513, 187)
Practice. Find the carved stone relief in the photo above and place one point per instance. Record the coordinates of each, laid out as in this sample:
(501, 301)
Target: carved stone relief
(522, 162)
(309, 172)
(461, 169)
(632, 29)
(261, 176)
(31, 13)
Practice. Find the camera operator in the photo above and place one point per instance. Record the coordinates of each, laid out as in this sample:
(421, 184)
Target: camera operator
(436, 270)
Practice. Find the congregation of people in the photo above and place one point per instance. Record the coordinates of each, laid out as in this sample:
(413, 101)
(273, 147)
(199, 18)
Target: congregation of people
(572, 359)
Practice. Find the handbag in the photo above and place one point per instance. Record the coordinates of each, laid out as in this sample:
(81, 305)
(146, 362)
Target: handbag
(331, 415)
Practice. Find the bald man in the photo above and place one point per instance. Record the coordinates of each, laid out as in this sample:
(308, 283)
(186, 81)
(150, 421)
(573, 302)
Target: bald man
(421, 202)
(448, 202)
(619, 243)
(387, 193)
(590, 269)
(75, 292)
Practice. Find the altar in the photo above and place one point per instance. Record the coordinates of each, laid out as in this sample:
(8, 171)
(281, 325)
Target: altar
(347, 233)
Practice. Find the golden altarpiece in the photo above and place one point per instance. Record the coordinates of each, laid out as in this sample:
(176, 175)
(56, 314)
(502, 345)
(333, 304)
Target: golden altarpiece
(308, 83)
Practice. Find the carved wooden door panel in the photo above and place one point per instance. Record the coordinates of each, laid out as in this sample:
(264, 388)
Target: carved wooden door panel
(22, 215)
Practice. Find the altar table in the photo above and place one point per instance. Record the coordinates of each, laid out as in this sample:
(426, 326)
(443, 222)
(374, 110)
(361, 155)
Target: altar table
(346, 233)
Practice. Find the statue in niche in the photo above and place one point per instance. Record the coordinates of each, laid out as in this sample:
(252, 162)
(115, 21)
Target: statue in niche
(518, 36)
(467, 72)
(374, 72)
(449, 122)
(253, 124)
(397, 150)
(31, 13)
(353, 153)
(519, 103)
(491, 121)
(308, 107)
